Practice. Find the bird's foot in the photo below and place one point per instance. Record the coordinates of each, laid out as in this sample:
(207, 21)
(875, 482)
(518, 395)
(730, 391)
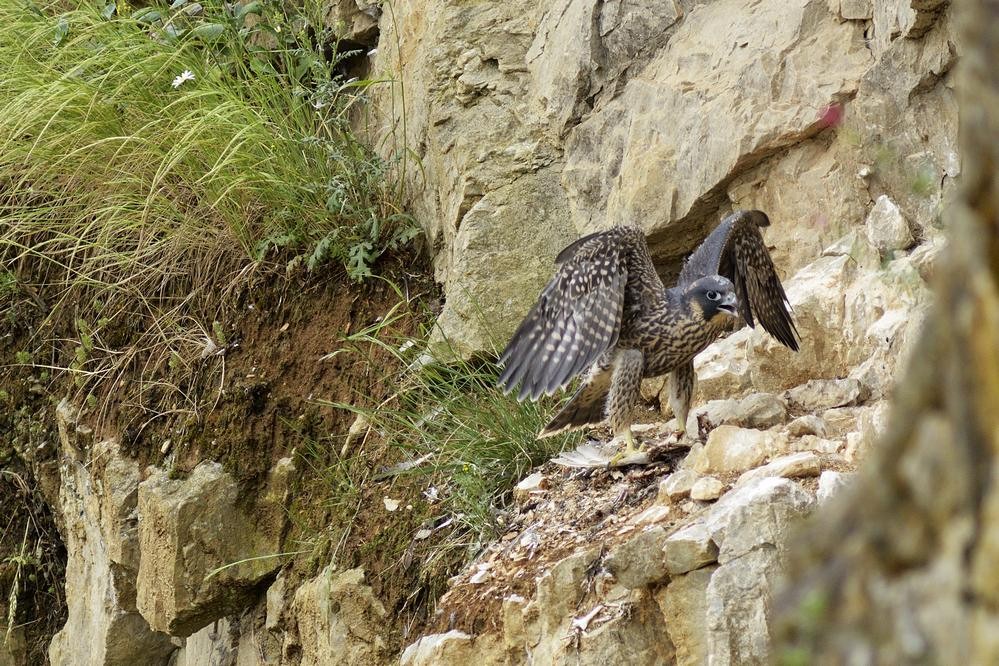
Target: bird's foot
(588, 456)
(630, 454)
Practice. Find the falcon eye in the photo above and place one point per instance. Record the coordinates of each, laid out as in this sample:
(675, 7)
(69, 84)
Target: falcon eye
(713, 295)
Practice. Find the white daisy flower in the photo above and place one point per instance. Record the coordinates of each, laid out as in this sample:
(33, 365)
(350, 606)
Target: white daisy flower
(186, 75)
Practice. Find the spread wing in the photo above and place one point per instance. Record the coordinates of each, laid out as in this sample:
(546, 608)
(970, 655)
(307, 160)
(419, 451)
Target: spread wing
(735, 249)
(579, 314)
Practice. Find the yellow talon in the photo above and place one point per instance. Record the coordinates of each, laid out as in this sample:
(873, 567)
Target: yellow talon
(630, 449)
(629, 440)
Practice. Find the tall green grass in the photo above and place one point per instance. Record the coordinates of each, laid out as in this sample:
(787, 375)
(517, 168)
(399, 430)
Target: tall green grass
(458, 436)
(153, 160)
(117, 180)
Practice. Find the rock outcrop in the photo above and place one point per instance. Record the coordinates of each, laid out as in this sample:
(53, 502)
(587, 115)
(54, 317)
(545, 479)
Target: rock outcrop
(683, 582)
(338, 619)
(902, 568)
(141, 552)
(202, 550)
(838, 119)
(535, 122)
(98, 504)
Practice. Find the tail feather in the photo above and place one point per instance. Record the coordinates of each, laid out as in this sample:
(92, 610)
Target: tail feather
(584, 408)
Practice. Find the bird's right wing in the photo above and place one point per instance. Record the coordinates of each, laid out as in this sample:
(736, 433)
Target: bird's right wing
(578, 315)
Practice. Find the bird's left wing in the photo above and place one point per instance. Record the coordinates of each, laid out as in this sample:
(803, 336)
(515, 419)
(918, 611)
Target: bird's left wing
(578, 315)
(735, 249)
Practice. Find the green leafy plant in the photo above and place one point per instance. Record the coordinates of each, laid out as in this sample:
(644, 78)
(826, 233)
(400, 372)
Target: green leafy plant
(8, 284)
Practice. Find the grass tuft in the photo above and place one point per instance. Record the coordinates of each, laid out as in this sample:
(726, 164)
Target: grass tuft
(461, 445)
(141, 148)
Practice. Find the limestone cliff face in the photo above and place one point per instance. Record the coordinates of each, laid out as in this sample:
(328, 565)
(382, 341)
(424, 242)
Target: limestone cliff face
(537, 121)
(534, 122)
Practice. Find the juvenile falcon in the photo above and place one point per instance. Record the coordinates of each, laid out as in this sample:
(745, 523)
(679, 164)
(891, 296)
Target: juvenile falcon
(606, 310)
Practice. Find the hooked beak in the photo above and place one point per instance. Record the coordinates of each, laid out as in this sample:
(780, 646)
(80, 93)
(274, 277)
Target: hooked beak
(728, 304)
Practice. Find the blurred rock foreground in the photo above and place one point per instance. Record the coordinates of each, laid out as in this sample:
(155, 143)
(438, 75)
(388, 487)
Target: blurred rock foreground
(536, 122)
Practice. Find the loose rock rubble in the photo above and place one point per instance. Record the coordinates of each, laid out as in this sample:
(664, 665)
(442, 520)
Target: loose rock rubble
(595, 542)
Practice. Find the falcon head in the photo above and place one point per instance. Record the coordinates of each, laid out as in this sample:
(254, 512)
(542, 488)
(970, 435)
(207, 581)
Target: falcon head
(714, 298)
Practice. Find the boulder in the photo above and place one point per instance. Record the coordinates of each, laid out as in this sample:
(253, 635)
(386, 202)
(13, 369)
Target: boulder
(756, 514)
(871, 425)
(732, 449)
(689, 548)
(722, 369)
(887, 229)
(841, 420)
(203, 549)
(503, 256)
(706, 489)
(529, 487)
(628, 628)
(820, 394)
(792, 466)
(757, 410)
(809, 424)
(677, 485)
